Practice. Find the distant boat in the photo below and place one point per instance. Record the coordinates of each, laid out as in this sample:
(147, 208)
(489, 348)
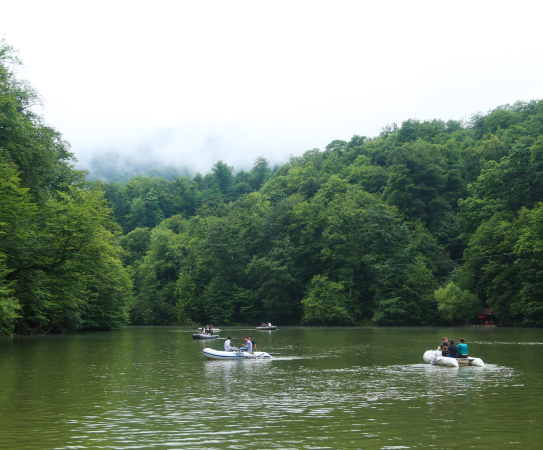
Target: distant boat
(273, 327)
(204, 336)
(219, 354)
(435, 358)
(215, 330)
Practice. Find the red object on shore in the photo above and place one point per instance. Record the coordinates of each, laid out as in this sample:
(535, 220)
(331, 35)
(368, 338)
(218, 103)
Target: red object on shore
(480, 316)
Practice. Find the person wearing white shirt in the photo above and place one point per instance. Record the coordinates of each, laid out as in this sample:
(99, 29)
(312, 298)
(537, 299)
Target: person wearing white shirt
(227, 346)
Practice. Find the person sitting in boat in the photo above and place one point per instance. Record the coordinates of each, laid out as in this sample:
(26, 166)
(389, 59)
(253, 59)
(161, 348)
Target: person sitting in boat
(269, 324)
(253, 342)
(227, 346)
(444, 347)
(462, 349)
(453, 353)
(248, 344)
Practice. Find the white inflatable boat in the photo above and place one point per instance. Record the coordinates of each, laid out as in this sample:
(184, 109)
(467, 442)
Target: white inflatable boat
(218, 354)
(204, 336)
(434, 357)
(273, 327)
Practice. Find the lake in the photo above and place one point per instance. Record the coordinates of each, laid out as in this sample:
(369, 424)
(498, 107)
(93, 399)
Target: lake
(326, 388)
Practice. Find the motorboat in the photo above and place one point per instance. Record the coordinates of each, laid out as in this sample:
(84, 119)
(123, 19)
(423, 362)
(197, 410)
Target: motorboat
(205, 336)
(435, 358)
(273, 327)
(234, 354)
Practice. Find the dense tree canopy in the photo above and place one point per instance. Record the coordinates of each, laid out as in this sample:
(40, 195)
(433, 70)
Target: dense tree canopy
(60, 261)
(366, 231)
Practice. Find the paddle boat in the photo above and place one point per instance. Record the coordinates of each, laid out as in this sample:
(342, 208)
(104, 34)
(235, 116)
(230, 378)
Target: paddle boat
(435, 358)
(235, 354)
(205, 336)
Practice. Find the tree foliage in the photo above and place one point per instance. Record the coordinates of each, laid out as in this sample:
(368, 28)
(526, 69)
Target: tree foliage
(457, 305)
(365, 231)
(60, 266)
(326, 303)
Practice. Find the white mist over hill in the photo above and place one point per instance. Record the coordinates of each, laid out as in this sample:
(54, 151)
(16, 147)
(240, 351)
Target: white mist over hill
(189, 83)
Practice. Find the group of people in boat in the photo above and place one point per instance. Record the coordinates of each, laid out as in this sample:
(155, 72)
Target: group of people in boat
(208, 329)
(266, 324)
(249, 345)
(453, 351)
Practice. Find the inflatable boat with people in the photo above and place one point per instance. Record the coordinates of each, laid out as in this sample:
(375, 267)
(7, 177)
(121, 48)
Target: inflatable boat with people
(234, 354)
(205, 336)
(435, 358)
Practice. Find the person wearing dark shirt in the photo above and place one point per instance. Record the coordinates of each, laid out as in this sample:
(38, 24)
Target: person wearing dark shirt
(254, 343)
(453, 353)
(444, 347)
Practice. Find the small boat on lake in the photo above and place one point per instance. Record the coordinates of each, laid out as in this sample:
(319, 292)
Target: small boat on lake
(273, 327)
(236, 354)
(205, 336)
(435, 358)
(215, 330)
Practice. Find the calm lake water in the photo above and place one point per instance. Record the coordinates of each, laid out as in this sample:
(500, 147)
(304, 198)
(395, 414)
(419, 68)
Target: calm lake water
(326, 388)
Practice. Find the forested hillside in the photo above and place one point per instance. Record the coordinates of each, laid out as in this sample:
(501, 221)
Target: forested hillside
(60, 266)
(424, 224)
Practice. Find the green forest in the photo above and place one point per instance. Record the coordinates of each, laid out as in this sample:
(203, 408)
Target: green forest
(425, 224)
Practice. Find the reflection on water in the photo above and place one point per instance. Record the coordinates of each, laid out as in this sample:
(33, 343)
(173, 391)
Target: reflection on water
(325, 388)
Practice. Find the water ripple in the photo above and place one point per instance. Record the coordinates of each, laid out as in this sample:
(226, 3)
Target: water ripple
(159, 392)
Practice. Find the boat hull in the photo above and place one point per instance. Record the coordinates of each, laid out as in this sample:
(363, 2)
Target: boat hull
(234, 355)
(205, 336)
(266, 328)
(469, 361)
(435, 358)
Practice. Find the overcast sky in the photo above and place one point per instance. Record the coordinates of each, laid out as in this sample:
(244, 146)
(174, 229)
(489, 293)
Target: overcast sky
(191, 82)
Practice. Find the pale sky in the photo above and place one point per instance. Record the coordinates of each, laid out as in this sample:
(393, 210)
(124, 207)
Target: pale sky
(192, 82)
